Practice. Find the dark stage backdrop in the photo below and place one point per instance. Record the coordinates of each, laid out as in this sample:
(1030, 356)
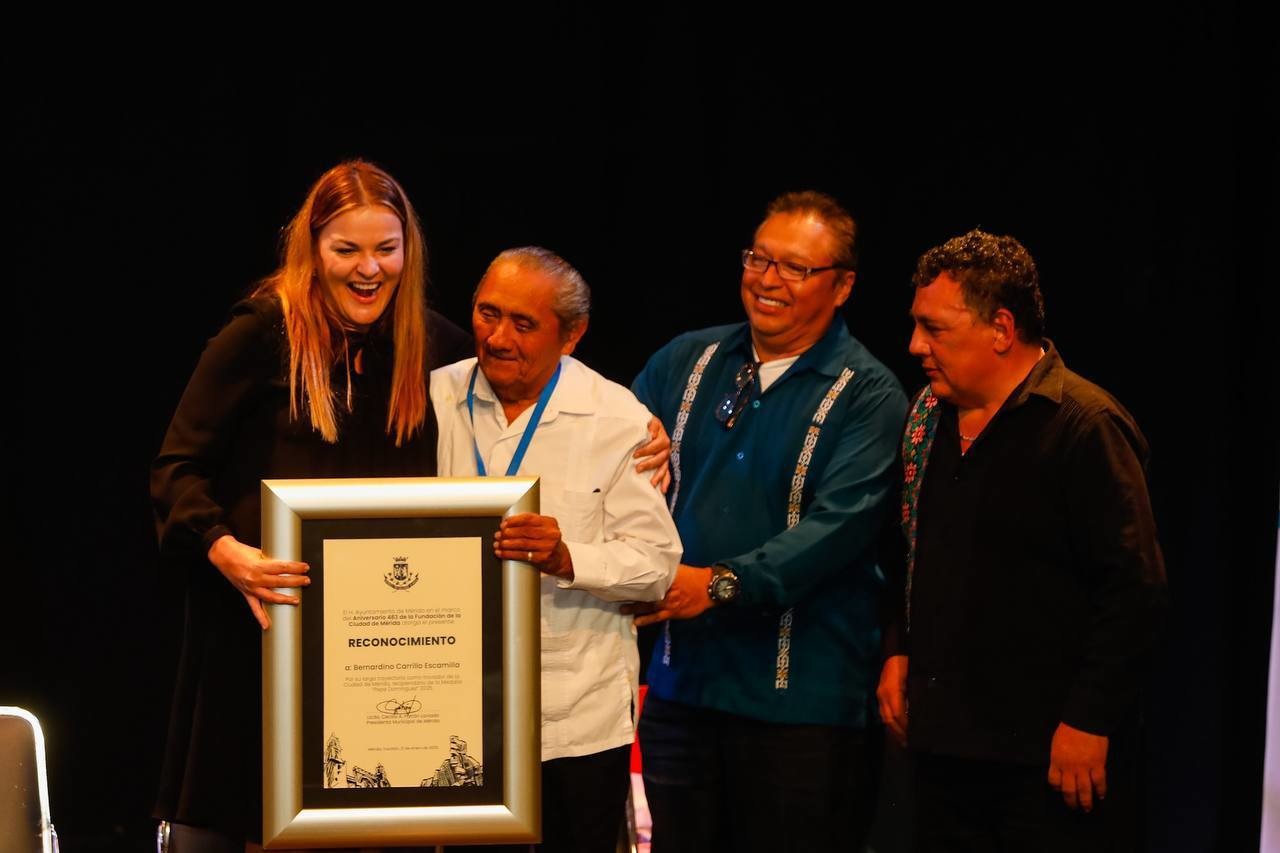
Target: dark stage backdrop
(1120, 158)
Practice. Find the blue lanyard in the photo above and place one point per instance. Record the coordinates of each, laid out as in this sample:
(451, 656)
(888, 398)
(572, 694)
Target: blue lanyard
(543, 398)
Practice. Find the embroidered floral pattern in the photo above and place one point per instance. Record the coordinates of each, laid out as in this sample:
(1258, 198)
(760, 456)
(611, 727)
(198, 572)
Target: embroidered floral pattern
(783, 675)
(917, 441)
(677, 438)
(682, 418)
(782, 672)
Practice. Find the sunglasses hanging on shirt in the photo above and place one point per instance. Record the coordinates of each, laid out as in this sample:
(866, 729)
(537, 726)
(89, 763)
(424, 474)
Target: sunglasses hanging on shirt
(735, 401)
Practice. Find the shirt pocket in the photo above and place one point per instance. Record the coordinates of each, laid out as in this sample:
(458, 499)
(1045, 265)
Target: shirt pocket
(581, 516)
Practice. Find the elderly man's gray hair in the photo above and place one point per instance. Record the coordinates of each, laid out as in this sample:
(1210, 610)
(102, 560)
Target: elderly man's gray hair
(572, 302)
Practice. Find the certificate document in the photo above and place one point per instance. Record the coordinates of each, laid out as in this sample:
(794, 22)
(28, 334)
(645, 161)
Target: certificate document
(403, 668)
(400, 697)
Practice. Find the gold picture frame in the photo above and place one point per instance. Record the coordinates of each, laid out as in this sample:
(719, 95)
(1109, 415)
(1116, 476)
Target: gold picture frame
(292, 510)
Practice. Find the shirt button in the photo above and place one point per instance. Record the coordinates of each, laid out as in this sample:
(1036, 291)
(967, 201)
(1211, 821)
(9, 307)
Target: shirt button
(755, 404)
(741, 455)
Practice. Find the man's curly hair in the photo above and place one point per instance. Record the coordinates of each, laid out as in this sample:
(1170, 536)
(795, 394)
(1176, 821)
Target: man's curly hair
(993, 273)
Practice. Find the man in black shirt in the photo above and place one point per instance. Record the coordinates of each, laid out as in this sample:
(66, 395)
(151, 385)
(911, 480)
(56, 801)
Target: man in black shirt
(1035, 583)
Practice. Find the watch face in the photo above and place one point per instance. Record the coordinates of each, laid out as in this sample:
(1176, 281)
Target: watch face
(725, 588)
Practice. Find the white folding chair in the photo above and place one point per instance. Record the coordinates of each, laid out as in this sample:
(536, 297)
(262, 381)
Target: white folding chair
(25, 826)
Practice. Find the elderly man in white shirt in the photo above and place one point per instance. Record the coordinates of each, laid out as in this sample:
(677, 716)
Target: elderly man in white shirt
(605, 537)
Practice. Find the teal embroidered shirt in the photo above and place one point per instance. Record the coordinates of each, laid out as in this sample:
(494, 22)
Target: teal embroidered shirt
(801, 642)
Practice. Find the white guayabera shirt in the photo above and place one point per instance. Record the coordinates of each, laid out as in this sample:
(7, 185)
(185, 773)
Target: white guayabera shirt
(615, 524)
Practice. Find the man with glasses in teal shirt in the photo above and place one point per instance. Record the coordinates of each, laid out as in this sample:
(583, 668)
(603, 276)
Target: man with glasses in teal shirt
(784, 433)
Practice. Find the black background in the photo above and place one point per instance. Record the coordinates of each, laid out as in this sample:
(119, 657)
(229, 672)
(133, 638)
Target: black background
(153, 175)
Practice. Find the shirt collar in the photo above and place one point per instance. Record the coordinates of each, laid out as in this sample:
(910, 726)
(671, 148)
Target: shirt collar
(826, 356)
(572, 394)
(1044, 380)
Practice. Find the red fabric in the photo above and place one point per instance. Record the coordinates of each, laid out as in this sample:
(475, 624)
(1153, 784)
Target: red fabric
(635, 744)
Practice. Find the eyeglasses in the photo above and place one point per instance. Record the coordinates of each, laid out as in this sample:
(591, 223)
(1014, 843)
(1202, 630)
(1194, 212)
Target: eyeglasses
(787, 271)
(736, 400)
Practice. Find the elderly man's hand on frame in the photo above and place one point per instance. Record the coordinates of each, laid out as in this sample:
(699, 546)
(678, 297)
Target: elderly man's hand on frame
(534, 539)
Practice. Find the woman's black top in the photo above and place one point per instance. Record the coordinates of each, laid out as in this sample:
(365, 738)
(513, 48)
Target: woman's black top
(231, 430)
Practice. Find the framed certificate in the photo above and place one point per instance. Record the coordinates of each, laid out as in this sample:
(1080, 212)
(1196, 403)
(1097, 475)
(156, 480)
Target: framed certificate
(401, 696)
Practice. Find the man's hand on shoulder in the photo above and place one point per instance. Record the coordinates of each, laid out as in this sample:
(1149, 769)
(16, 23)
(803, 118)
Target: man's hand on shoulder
(654, 456)
(686, 598)
(1078, 766)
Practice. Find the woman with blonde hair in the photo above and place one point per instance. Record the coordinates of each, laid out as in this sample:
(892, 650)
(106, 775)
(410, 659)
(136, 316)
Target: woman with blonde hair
(322, 372)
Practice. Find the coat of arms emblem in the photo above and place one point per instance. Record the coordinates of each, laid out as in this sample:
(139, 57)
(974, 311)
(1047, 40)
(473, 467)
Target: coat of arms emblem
(400, 577)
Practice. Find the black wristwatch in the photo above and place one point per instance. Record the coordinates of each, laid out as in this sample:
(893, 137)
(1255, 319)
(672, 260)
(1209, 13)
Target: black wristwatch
(724, 585)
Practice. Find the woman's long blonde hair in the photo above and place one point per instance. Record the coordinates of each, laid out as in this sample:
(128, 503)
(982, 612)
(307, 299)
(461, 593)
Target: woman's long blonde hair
(315, 331)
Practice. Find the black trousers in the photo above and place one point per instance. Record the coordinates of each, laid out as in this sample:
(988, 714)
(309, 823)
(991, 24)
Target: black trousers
(584, 801)
(964, 805)
(719, 782)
